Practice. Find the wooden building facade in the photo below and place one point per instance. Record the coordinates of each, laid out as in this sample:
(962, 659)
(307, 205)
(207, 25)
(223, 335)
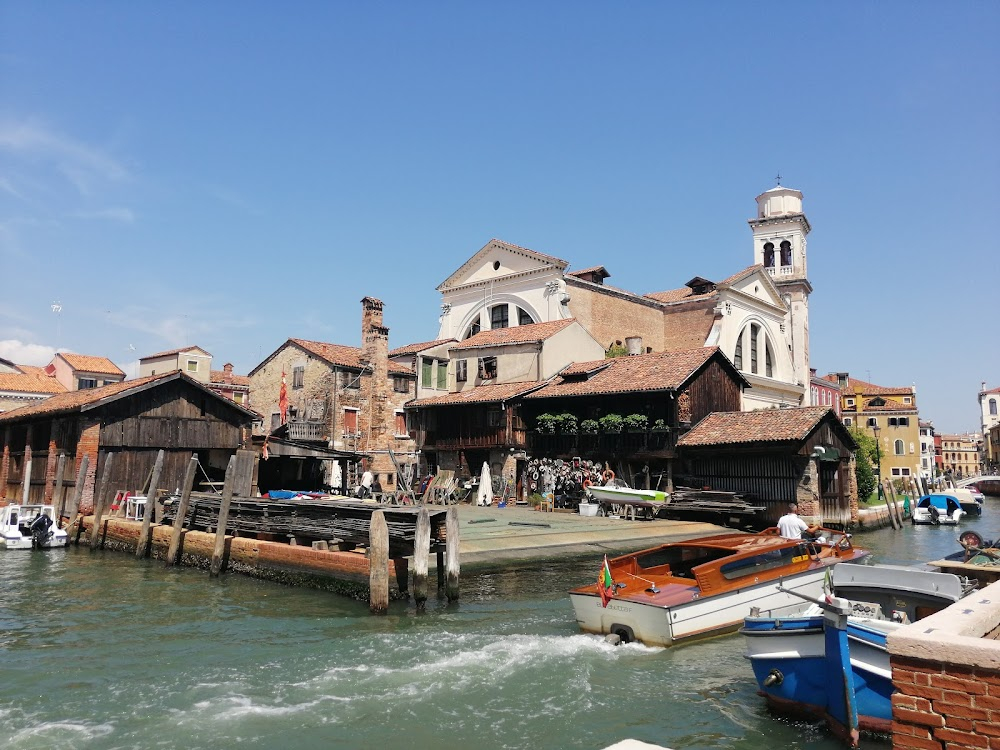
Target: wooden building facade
(132, 420)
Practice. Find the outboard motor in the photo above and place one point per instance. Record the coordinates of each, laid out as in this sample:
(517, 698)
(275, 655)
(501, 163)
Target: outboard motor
(40, 530)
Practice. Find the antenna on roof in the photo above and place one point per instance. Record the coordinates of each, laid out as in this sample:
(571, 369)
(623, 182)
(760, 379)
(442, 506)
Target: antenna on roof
(57, 310)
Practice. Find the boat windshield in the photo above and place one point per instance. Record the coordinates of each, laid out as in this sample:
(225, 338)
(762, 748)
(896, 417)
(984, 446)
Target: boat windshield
(681, 559)
(754, 564)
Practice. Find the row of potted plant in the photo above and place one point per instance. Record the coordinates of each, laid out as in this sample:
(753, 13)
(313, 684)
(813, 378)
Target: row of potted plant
(566, 423)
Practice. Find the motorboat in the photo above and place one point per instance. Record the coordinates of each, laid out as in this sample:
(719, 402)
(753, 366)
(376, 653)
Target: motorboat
(938, 508)
(30, 527)
(615, 499)
(970, 499)
(830, 659)
(683, 591)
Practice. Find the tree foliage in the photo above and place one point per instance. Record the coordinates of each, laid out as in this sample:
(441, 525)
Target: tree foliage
(865, 458)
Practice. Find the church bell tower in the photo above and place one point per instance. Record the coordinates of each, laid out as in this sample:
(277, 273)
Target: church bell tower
(779, 244)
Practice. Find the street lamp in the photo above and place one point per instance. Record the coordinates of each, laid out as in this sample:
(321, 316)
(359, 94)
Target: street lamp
(878, 460)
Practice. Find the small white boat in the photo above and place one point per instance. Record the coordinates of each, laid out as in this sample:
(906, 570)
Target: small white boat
(939, 508)
(30, 527)
(609, 494)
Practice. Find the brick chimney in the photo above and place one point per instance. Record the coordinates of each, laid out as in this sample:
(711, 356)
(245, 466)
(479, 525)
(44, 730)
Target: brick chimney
(227, 372)
(375, 353)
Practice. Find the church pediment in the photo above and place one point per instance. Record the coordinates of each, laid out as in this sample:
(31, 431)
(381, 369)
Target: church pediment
(498, 259)
(756, 282)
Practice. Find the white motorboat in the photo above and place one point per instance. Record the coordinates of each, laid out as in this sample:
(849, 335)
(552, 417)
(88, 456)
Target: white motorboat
(30, 527)
(938, 508)
(610, 494)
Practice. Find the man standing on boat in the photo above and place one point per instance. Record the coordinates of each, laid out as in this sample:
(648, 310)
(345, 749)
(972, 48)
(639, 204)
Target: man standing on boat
(790, 526)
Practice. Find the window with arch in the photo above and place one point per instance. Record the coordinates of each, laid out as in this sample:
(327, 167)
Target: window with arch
(475, 328)
(993, 407)
(738, 354)
(898, 448)
(523, 318)
(499, 317)
(769, 254)
(754, 331)
(768, 360)
(786, 253)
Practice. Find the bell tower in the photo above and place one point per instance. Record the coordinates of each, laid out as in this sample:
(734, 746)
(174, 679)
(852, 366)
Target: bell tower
(779, 244)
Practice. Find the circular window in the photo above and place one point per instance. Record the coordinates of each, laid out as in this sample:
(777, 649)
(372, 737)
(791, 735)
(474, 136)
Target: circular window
(496, 265)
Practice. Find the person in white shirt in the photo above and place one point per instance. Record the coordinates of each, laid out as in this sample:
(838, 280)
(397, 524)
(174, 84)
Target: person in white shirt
(366, 484)
(790, 526)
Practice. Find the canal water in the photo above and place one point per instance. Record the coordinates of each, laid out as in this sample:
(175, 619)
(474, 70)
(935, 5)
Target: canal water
(101, 651)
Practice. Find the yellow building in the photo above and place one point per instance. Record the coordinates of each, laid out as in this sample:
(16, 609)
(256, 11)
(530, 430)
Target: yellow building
(960, 455)
(888, 414)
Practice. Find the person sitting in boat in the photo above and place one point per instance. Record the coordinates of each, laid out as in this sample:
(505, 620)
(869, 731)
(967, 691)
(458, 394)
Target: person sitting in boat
(790, 526)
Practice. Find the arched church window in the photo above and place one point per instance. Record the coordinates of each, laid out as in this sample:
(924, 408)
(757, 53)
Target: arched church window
(768, 360)
(754, 330)
(898, 448)
(769, 254)
(498, 317)
(738, 354)
(993, 407)
(523, 318)
(786, 253)
(473, 330)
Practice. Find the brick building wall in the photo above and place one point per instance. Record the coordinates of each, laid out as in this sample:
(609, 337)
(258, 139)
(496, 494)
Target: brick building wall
(89, 444)
(611, 316)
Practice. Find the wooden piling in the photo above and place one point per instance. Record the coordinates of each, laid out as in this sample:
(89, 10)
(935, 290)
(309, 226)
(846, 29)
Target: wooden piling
(59, 488)
(439, 567)
(220, 532)
(452, 564)
(142, 547)
(421, 553)
(26, 482)
(81, 480)
(173, 552)
(378, 564)
(95, 530)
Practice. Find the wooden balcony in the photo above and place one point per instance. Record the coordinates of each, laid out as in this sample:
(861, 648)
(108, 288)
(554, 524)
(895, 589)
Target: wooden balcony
(609, 443)
(309, 431)
(488, 438)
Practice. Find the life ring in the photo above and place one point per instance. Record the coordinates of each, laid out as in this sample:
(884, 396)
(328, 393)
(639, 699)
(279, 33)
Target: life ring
(586, 483)
(608, 475)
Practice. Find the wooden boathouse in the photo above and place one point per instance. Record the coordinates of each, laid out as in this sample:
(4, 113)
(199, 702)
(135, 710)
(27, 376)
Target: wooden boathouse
(133, 420)
(777, 456)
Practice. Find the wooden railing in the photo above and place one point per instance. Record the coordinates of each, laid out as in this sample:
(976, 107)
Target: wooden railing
(489, 438)
(306, 430)
(609, 442)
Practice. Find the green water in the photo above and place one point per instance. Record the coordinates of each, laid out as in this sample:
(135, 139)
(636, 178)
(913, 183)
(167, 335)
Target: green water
(102, 651)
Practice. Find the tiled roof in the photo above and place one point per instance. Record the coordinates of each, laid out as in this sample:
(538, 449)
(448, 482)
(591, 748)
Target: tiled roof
(889, 405)
(868, 389)
(992, 390)
(74, 400)
(173, 352)
(86, 363)
(529, 334)
(218, 377)
(686, 293)
(414, 348)
(765, 425)
(482, 394)
(601, 269)
(345, 356)
(30, 380)
(663, 371)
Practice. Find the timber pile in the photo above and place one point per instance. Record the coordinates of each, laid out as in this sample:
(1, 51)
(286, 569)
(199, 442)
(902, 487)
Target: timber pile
(307, 520)
(726, 508)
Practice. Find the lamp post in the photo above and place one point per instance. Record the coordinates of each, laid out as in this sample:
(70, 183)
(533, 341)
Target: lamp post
(878, 460)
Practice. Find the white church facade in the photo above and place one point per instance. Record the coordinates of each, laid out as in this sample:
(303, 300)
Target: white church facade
(759, 316)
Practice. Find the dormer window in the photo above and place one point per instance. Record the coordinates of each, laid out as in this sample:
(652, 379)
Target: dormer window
(192, 365)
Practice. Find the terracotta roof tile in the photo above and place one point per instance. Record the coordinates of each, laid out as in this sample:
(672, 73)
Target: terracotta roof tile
(87, 363)
(218, 377)
(529, 334)
(889, 405)
(30, 380)
(414, 348)
(482, 394)
(600, 269)
(345, 356)
(868, 389)
(765, 425)
(686, 293)
(663, 371)
(74, 400)
(172, 352)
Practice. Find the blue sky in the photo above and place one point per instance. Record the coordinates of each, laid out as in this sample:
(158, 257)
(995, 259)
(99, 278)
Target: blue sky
(231, 174)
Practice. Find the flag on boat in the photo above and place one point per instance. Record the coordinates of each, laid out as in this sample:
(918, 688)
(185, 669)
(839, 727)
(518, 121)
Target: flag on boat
(605, 585)
(283, 398)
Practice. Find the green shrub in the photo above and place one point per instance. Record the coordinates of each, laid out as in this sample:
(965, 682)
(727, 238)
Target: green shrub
(568, 423)
(611, 422)
(546, 423)
(589, 426)
(660, 425)
(636, 422)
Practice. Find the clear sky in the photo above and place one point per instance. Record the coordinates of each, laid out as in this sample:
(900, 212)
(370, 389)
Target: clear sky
(231, 174)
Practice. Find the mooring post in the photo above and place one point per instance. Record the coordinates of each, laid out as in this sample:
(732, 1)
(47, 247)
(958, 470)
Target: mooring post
(421, 552)
(142, 547)
(81, 479)
(440, 572)
(378, 564)
(95, 530)
(453, 567)
(26, 483)
(175, 534)
(60, 488)
(220, 532)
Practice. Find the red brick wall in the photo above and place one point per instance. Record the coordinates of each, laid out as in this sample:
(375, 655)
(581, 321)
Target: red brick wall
(50, 471)
(89, 443)
(5, 464)
(938, 707)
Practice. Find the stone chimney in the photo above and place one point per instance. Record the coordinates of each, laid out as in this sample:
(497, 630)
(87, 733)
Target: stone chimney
(227, 373)
(375, 354)
(633, 345)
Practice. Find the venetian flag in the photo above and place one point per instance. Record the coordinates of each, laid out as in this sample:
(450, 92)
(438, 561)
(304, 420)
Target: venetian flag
(605, 585)
(283, 398)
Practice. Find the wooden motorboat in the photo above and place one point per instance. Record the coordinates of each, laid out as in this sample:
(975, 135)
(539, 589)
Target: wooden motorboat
(830, 660)
(31, 526)
(683, 591)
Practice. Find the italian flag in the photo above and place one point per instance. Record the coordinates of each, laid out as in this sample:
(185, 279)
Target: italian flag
(605, 585)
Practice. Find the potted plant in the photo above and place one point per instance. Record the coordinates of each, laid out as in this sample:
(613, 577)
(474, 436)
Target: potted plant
(636, 422)
(589, 426)
(546, 423)
(660, 425)
(567, 423)
(611, 422)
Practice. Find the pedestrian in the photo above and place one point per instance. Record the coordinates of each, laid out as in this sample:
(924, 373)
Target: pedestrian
(790, 526)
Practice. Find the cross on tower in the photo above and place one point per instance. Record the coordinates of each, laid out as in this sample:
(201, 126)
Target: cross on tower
(778, 178)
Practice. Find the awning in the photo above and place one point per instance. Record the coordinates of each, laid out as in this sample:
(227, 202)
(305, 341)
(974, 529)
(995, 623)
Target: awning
(826, 453)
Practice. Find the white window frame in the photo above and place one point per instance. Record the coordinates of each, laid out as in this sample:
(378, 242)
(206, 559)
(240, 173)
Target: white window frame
(189, 368)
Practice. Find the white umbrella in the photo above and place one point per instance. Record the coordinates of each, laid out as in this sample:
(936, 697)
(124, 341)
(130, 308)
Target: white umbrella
(485, 495)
